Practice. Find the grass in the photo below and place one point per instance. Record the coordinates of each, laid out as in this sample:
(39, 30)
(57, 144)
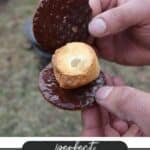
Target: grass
(23, 112)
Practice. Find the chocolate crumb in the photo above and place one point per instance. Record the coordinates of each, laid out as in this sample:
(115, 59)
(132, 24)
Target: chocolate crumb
(75, 29)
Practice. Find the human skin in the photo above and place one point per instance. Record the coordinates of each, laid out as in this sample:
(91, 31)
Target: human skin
(122, 31)
(128, 104)
(97, 121)
(122, 28)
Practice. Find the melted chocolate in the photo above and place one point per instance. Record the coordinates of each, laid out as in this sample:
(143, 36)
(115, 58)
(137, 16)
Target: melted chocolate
(57, 22)
(75, 99)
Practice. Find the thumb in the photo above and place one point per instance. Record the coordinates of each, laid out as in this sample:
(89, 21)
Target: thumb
(127, 103)
(117, 19)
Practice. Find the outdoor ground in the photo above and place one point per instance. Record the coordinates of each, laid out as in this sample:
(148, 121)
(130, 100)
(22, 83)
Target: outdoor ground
(23, 111)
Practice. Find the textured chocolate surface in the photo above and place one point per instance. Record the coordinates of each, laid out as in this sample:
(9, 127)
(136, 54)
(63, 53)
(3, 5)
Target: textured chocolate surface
(75, 99)
(57, 22)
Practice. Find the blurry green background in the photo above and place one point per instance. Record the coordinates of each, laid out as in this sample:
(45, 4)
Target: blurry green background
(23, 111)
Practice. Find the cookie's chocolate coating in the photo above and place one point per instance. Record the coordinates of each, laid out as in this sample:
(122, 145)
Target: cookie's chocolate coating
(57, 22)
(75, 99)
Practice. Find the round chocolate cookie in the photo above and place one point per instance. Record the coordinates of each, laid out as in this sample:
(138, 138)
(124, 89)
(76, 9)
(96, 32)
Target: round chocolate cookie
(57, 22)
(75, 99)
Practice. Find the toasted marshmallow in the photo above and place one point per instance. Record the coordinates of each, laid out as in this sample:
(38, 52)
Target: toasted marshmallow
(75, 65)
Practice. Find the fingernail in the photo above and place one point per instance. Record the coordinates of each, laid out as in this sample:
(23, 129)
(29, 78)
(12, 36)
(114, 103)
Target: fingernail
(103, 93)
(97, 27)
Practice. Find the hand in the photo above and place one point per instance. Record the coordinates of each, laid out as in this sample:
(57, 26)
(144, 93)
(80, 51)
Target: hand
(99, 122)
(128, 104)
(122, 28)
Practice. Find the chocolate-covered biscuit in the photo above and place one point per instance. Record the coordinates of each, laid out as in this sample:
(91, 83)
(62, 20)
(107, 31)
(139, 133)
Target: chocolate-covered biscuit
(75, 99)
(57, 22)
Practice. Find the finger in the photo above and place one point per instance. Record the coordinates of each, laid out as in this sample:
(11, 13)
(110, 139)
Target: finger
(110, 132)
(127, 103)
(133, 131)
(106, 47)
(98, 6)
(117, 19)
(117, 81)
(104, 116)
(120, 49)
(108, 78)
(92, 123)
(120, 126)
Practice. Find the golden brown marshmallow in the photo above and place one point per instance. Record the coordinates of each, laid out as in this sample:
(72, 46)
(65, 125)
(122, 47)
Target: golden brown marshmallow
(75, 65)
